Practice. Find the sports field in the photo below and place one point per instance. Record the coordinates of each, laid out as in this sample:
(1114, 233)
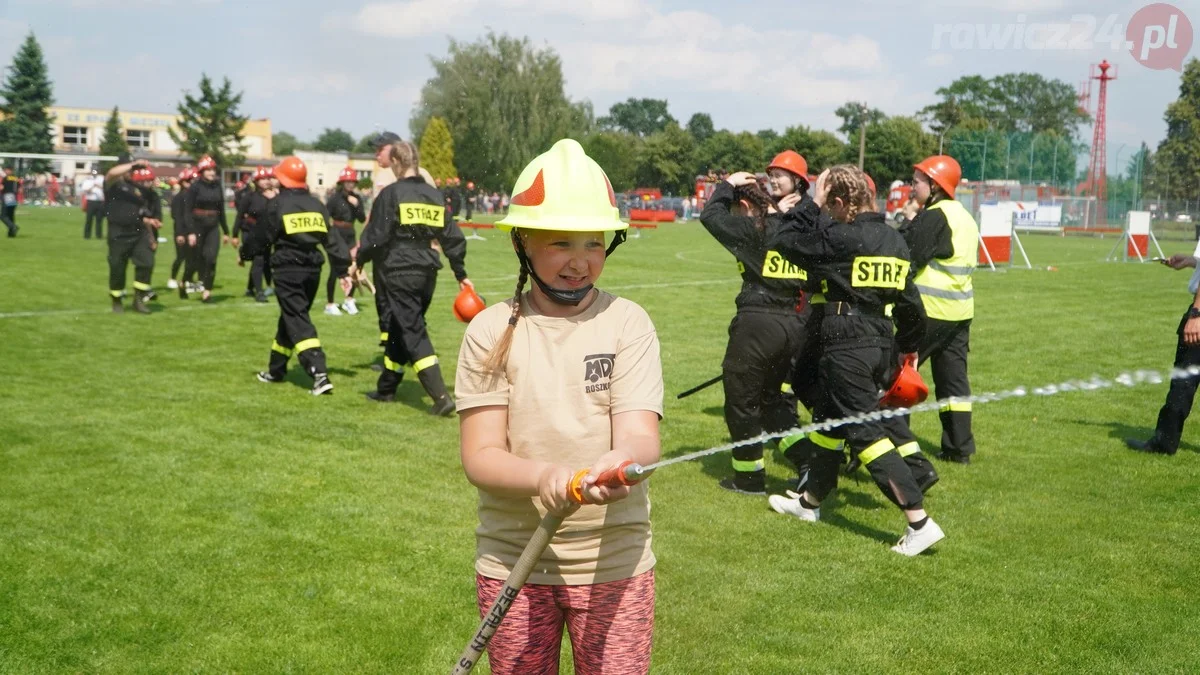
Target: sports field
(162, 511)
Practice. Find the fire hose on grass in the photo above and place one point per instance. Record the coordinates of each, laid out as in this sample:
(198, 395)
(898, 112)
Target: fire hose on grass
(629, 473)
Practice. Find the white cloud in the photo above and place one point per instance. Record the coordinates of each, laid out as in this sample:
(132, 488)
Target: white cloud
(410, 19)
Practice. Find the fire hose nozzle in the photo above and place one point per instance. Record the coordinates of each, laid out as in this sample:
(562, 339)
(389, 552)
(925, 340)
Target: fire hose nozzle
(624, 474)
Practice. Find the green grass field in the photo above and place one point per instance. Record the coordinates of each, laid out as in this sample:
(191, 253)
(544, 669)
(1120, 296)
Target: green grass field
(162, 511)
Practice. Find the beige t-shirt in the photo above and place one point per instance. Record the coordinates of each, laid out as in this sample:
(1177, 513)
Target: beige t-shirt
(565, 379)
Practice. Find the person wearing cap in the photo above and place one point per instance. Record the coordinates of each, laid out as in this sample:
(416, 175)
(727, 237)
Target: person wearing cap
(252, 209)
(346, 208)
(203, 213)
(944, 241)
(769, 327)
(93, 194)
(559, 377)
(866, 267)
(134, 212)
(406, 219)
(294, 226)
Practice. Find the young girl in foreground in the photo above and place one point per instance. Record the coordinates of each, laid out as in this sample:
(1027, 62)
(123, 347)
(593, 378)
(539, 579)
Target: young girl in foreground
(558, 378)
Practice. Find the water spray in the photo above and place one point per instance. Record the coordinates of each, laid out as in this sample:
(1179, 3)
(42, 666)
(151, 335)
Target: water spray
(629, 473)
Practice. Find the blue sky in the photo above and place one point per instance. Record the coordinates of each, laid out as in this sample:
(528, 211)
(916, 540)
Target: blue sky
(766, 64)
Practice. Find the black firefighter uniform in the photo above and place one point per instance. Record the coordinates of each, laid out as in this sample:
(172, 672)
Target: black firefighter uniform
(944, 240)
(405, 219)
(295, 225)
(865, 267)
(764, 336)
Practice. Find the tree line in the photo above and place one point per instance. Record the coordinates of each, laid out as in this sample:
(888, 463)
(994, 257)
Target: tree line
(494, 103)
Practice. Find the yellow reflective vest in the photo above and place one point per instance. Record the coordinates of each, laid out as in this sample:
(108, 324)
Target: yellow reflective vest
(945, 283)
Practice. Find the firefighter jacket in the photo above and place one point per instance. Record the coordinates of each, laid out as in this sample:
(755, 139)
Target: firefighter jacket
(406, 217)
(768, 280)
(126, 204)
(204, 207)
(294, 225)
(344, 213)
(948, 240)
(864, 266)
(251, 210)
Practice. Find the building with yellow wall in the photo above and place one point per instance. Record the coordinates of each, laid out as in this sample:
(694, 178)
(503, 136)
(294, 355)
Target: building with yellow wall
(78, 132)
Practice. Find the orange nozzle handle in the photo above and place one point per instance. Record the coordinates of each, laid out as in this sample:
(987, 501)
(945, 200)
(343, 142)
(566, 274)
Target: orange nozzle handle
(624, 474)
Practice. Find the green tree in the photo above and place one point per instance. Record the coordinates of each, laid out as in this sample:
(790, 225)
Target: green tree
(638, 116)
(113, 142)
(365, 145)
(731, 152)
(28, 95)
(893, 146)
(334, 140)
(210, 125)
(662, 161)
(821, 149)
(1177, 160)
(504, 103)
(1009, 103)
(437, 149)
(854, 114)
(617, 153)
(284, 144)
(700, 126)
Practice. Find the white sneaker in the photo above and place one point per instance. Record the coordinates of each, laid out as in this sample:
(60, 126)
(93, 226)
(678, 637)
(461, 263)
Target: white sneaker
(332, 310)
(350, 307)
(915, 541)
(790, 506)
(172, 284)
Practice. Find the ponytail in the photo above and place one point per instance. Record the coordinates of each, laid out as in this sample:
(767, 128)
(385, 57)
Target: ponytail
(497, 360)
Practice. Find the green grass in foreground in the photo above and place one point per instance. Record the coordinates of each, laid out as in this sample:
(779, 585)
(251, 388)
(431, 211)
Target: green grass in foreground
(160, 510)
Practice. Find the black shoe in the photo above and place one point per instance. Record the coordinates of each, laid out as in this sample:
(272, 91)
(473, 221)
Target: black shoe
(746, 483)
(852, 465)
(381, 398)
(249, 293)
(927, 481)
(117, 307)
(183, 290)
(443, 407)
(261, 297)
(139, 305)
(957, 459)
(1146, 446)
(269, 378)
(13, 233)
(321, 385)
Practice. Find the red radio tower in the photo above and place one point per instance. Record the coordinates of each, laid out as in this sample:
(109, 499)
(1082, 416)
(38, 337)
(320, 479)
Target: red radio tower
(1098, 171)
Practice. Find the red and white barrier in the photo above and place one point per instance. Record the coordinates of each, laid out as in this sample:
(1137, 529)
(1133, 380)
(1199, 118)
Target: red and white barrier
(1136, 239)
(998, 235)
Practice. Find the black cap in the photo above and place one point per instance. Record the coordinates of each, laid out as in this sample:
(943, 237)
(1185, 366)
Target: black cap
(384, 138)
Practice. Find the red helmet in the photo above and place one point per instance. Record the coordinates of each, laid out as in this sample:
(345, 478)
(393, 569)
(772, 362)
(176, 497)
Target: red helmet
(942, 170)
(264, 172)
(205, 163)
(907, 390)
(141, 174)
(791, 161)
(467, 305)
(348, 174)
(291, 172)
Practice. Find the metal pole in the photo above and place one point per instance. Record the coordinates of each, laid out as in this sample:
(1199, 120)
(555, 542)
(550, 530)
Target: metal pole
(862, 138)
(1054, 171)
(1031, 141)
(983, 171)
(1007, 154)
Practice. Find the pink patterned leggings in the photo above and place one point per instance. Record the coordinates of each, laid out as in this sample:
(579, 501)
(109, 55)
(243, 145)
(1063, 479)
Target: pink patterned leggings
(610, 625)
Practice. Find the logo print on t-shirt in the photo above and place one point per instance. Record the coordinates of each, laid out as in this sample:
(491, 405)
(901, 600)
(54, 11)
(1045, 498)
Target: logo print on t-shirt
(597, 367)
